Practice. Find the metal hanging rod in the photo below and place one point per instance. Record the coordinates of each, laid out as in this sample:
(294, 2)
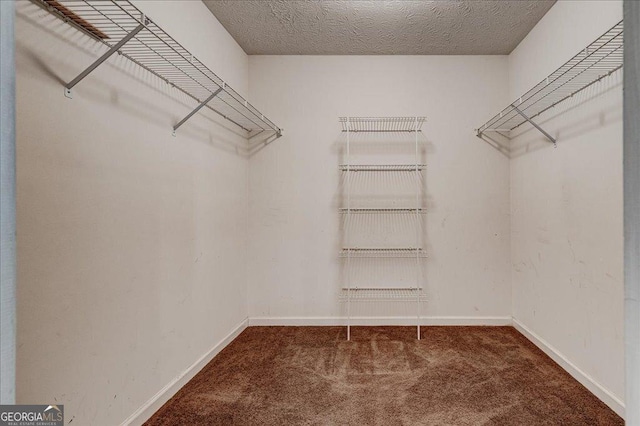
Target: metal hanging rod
(382, 124)
(124, 29)
(597, 61)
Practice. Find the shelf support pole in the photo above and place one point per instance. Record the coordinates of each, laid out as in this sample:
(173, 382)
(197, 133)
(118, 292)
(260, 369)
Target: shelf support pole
(198, 108)
(540, 129)
(418, 178)
(101, 59)
(347, 225)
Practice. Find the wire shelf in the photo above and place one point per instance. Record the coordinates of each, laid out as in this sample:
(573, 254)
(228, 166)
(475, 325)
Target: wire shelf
(376, 210)
(370, 294)
(382, 167)
(600, 59)
(374, 253)
(110, 21)
(382, 124)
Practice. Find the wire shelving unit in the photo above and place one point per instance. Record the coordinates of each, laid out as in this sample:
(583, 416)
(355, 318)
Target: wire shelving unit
(597, 61)
(351, 293)
(125, 30)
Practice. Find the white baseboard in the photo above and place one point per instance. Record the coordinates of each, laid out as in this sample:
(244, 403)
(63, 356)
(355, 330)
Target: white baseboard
(143, 413)
(358, 321)
(587, 381)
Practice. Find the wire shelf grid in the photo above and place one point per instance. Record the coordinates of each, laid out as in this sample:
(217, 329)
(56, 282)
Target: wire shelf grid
(376, 253)
(599, 60)
(382, 167)
(378, 210)
(109, 21)
(371, 294)
(382, 124)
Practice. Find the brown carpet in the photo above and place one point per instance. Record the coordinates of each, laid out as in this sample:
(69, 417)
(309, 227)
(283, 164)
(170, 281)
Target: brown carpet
(384, 376)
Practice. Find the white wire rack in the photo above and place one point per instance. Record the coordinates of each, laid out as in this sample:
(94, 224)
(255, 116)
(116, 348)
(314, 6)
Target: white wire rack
(382, 167)
(376, 253)
(352, 293)
(375, 210)
(124, 29)
(597, 61)
(375, 294)
(382, 124)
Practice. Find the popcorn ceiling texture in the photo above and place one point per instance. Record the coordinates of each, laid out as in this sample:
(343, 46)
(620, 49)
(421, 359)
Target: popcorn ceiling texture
(375, 27)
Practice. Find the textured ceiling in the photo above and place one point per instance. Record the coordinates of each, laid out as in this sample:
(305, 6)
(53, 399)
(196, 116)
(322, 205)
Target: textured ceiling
(377, 27)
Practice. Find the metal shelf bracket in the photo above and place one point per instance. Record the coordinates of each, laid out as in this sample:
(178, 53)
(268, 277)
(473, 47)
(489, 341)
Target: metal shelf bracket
(116, 47)
(540, 129)
(198, 108)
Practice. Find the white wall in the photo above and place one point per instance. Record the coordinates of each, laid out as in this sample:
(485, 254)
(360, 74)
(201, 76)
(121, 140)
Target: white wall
(567, 204)
(131, 243)
(294, 182)
(631, 154)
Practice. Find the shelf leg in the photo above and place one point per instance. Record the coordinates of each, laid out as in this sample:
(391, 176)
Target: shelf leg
(198, 108)
(348, 240)
(418, 242)
(102, 58)
(552, 139)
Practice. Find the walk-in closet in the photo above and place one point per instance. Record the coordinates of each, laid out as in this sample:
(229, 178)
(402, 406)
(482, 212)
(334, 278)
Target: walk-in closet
(333, 212)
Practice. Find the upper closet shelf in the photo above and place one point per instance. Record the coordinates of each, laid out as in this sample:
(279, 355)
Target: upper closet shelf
(382, 124)
(598, 60)
(124, 29)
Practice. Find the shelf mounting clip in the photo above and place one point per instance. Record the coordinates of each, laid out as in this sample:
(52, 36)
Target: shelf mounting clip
(67, 89)
(198, 108)
(540, 129)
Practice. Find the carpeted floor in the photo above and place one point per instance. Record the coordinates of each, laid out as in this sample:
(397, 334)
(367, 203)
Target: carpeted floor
(384, 376)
